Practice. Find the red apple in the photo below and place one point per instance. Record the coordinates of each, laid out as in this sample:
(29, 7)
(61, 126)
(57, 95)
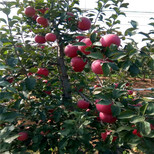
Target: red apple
(71, 51)
(109, 39)
(30, 73)
(30, 11)
(95, 86)
(88, 43)
(127, 84)
(43, 71)
(23, 136)
(84, 23)
(47, 92)
(116, 85)
(82, 104)
(108, 118)
(78, 69)
(135, 132)
(114, 138)
(80, 37)
(41, 20)
(96, 66)
(70, 15)
(104, 136)
(130, 92)
(104, 108)
(50, 37)
(152, 126)
(40, 39)
(10, 79)
(77, 64)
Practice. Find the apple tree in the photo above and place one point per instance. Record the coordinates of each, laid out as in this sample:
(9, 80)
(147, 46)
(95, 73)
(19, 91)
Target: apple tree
(52, 55)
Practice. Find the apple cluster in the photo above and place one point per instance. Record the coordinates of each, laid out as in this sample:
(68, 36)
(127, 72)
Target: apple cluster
(31, 12)
(105, 112)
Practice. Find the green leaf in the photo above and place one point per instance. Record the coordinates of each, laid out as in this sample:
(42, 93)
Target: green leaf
(128, 128)
(115, 110)
(9, 116)
(137, 119)
(113, 66)
(104, 102)
(5, 95)
(126, 114)
(150, 109)
(12, 62)
(134, 24)
(144, 128)
(134, 70)
(30, 83)
(79, 44)
(95, 55)
(3, 20)
(93, 37)
(118, 93)
(6, 11)
(125, 5)
(119, 55)
(126, 65)
(4, 83)
(106, 69)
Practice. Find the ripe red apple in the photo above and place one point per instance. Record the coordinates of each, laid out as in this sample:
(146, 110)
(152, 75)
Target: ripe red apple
(23, 136)
(104, 136)
(42, 21)
(127, 84)
(135, 132)
(70, 15)
(40, 39)
(71, 51)
(116, 85)
(10, 79)
(77, 64)
(30, 11)
(78, 69)
(47, 92)
(50, 37)
(88, 43)
(114, 138)
(96, 66)
(84, 23)
(95, 86)
(80, 37)
(109, 39)
(152, 126)
(130, 92)
(104, 108)
(82, 104)
(43, 71)
(108, 118)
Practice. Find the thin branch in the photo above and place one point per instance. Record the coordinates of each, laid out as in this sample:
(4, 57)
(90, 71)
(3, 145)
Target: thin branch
(84, 97)
(99, 80)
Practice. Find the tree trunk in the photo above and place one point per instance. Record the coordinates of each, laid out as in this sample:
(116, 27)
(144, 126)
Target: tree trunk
(63, 74)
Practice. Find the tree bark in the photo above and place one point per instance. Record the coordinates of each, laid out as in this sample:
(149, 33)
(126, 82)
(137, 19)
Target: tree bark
(63, 74)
